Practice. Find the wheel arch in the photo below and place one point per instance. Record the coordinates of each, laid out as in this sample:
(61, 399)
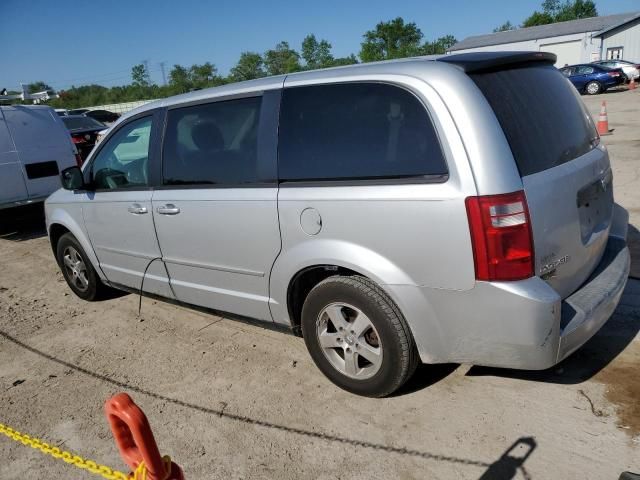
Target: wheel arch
(299, 269)
(59, 222)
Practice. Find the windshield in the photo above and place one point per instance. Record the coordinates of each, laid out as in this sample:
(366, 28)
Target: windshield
(79, 123)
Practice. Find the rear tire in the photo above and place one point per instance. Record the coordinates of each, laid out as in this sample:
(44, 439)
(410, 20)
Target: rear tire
(77, 269)
(357, 336)
(593, 88)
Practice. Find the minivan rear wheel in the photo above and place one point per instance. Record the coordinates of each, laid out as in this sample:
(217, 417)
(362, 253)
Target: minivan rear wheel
(357, 336)
(593, 88)
(77, 269)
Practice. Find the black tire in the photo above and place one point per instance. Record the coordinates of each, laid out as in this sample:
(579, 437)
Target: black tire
(94, 288)
(595, 88)
(399, 354)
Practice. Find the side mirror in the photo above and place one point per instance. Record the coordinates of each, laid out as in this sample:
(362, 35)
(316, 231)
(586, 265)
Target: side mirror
(72, 179)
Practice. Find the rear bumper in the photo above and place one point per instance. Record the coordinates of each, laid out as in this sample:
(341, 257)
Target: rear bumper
(586, 310)
(521, 325)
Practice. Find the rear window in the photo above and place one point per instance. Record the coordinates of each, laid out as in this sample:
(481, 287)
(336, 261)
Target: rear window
(542, 115)
(356, 131)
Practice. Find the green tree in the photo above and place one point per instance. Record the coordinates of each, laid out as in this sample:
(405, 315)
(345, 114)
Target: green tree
(505, 27)
(554, 11)
(316, 54)
(140, 76)
(392, 39)
(575, 10)
(39, 86)
(179, 79)
(439, 46)
(202, 76)
(350, 60)
(249, 67)
(281, 59)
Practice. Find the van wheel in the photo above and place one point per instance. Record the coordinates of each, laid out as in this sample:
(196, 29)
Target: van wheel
(593, 88)
(357, 336)
(77, 269)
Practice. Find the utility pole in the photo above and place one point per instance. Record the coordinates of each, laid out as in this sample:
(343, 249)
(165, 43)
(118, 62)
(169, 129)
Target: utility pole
(164, 77)
(146, 71)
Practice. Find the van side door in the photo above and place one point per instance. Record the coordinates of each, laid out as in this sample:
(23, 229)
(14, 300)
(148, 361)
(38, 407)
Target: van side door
(117, 212)
(12, 185)
(216, 212)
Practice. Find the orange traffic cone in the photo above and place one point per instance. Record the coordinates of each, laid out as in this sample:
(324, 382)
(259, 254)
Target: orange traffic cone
(135, 441)
(603, 120)
(632, 84)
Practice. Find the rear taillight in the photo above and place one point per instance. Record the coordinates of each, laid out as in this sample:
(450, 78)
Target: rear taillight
(77, 139)
(501, 236)
(613, 74)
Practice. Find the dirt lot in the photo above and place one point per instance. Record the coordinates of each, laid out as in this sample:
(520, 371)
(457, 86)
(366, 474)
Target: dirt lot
(231, 400)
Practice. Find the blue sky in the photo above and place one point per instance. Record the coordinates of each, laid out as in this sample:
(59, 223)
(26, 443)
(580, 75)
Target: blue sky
(69, 43)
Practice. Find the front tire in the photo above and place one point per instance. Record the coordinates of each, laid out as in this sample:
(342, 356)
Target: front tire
(357, 336)
(593, 88)
(77, 269)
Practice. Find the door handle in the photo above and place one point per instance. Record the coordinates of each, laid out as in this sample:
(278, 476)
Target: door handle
(168, 209)
(137, 209)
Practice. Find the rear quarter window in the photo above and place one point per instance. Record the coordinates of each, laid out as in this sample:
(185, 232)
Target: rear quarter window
(541, 114)
(356, 131)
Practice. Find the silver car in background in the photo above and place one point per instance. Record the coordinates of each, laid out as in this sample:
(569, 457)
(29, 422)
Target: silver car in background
(392, 213)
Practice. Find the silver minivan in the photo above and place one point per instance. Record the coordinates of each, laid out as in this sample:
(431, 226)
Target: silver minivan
(457, 210)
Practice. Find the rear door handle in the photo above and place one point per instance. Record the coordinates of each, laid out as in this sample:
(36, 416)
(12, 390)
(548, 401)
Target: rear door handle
(168, 209)
(137, 209)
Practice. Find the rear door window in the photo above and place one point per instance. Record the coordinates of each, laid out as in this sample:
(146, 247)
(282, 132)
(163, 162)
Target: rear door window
(356, 131)
(213, 144)
(541, 114)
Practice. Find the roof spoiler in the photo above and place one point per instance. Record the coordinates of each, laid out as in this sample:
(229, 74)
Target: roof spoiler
(476, 62)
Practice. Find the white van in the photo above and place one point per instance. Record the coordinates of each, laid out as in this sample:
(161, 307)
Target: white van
(35, 147)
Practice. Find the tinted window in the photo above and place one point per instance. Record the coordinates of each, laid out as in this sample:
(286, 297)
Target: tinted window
(356, 131)
(545, 123)
(584, 70)
(214, 143)
(80, 123)
(124, 160)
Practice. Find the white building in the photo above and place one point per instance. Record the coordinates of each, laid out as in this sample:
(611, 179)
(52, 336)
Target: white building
(576, 41)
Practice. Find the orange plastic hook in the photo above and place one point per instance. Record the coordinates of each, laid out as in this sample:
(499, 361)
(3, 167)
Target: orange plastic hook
(134, 438)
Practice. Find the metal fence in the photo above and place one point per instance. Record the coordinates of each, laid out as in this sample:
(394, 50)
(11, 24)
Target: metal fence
(120, 107)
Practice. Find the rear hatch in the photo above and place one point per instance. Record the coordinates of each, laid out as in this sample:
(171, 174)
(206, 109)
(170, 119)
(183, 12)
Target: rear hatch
(566, 174)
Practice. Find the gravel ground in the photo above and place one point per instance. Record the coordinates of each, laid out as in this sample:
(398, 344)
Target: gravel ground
(233, 400)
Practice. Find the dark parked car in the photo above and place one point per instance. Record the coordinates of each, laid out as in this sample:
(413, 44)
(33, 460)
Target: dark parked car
(84, 131)
(78, 111)
(592, 79)
(104, 116)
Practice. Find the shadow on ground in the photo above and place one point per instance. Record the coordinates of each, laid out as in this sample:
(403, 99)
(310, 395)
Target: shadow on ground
(591, 358)
(22, 223)
(504, 468)
(633, 239)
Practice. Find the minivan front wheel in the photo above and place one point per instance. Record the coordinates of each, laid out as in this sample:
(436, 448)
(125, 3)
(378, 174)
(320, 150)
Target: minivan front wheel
(357, 336)
(593, 88)
(77, 269)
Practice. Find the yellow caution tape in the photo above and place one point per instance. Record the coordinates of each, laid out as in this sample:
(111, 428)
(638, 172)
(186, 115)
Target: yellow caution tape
(76, 460)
